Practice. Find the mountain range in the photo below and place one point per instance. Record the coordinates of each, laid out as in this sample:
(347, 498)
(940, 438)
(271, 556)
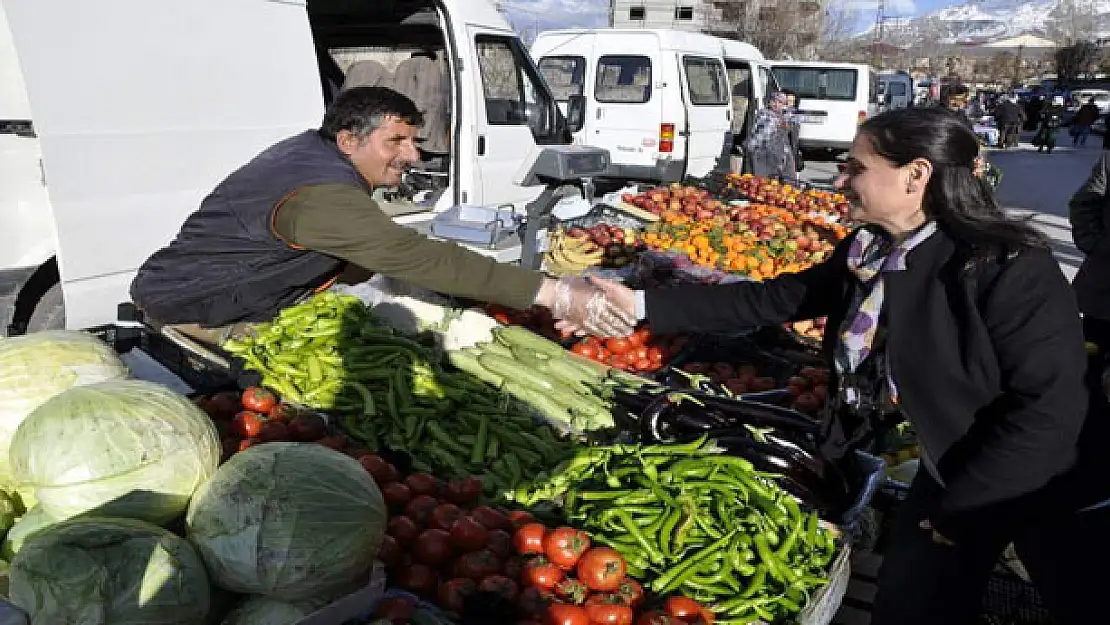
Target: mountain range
(984, 21)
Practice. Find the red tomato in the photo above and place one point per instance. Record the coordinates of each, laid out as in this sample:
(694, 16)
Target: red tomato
(477, 565)
(585, 350)
(643, 335)
(657, 617)
(420, 508)
(247, 424)
(390, 552)
(503, 318)
(564, 546)
(403, 529)
(542, 573)
(423, 484)
(644, 364)
(564, 614)
(571, 591)
(520, 517)
(282, 412)
(444, 516)
(682, 607)
(463, 491)
(273, 431)
(468, 534)
(529, 539)
(631, 591)
(603, 355)
(491, 518)
(307, 428)
(608, 610)
(601, 569)
(418, 579)
(382, 472)
(655, 355)
(707, 617)
(433, 547)
(641, 352)
(500, 542)
(396, 609)
(258, 399)
(500, 585)
(453, 593)
(618, 345)
(396, 496)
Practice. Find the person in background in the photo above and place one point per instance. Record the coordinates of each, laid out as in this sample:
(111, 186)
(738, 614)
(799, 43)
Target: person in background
(954, 99)
(769, 144)
(1052, 117)
(1007, 116)
(1089, 213)
(291, 221)
(943, 310)
(794, 118)
(1085, 117)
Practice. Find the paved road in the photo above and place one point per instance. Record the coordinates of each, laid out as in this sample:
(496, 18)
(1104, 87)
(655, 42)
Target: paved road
(1033, 184)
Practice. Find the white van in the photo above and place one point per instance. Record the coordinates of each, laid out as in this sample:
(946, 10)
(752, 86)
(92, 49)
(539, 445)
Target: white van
(139, 108)
(661, 101)
(895, 90)
(833, 100)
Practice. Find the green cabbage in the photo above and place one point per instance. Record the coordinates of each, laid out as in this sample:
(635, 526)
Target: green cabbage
(36, 367)
(123, 448)
(109, 571)
(287, 520)
(266, 611)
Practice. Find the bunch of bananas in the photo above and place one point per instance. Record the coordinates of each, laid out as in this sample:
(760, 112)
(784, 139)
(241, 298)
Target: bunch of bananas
(571, 256)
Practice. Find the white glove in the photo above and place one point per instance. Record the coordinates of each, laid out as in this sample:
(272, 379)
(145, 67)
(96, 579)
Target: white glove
(582, 304)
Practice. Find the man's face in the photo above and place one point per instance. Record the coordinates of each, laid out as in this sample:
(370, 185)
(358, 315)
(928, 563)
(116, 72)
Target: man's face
(382, 157)
(791, 101)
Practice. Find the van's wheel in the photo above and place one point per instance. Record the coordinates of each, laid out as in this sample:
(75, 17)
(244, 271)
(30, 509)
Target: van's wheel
(50, 311)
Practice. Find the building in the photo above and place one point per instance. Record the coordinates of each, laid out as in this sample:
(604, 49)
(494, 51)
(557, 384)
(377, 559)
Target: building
(779, 28)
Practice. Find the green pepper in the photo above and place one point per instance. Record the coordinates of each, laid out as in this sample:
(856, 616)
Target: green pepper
(677, 575)
(481, 440)
(776, 568)
(652, 550)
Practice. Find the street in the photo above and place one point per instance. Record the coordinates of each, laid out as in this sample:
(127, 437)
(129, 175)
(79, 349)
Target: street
(1036, 185)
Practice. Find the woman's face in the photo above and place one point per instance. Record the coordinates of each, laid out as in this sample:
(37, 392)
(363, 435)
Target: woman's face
(881, 192)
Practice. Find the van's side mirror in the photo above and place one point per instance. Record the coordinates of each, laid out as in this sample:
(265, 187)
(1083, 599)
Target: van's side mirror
(576, 113)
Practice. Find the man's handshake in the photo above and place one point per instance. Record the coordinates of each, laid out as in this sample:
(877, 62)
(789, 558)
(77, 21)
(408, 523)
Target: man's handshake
(592, 306)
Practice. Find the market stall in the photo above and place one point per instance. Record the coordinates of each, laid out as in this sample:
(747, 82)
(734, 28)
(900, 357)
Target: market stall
(434, 462)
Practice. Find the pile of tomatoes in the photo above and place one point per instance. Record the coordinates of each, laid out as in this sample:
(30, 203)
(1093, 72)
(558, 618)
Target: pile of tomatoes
(258, 416)
(567, 581)
(641, 352)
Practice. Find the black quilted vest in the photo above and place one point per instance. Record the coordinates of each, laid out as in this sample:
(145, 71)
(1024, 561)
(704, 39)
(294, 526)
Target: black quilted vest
(227, 265)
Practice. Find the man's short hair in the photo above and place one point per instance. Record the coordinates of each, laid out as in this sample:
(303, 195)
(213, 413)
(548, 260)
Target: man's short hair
(362, 110)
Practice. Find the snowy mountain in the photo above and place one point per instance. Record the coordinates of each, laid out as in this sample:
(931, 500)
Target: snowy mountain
(984, 21)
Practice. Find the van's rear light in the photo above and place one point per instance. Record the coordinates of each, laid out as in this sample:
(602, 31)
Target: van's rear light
(666, 137)
(861, 117)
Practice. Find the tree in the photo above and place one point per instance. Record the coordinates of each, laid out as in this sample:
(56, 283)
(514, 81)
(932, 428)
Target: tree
(1000, 68)
(1073, 60)
(778, 29)
(836, 42)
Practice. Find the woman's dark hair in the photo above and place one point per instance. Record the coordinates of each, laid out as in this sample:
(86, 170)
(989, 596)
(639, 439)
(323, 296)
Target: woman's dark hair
(962, 203)
(362, 110)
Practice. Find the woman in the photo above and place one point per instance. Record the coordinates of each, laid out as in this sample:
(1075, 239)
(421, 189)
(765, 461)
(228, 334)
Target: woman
(958, 318)
(769, 145)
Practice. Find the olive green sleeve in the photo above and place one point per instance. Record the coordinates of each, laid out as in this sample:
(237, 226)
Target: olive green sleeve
(346, 223)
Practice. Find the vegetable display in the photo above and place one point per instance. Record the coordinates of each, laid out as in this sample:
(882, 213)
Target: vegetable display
(121, 448)
(688, 519)
(287, 520)
(392, 391)
(97, 571)
(642, 352)
(36, 367)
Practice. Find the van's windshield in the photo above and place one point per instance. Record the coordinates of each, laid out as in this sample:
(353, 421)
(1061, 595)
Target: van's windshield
(820, 83)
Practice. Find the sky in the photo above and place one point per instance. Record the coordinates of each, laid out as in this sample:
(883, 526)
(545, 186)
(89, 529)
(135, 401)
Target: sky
(549, 14)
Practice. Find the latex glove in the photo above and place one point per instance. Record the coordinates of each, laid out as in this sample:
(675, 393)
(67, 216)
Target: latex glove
(586, 306)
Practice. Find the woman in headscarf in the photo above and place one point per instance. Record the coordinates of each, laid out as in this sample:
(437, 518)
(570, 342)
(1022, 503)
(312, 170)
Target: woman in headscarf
(769, 146)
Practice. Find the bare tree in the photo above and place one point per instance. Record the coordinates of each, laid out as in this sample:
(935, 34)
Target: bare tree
(1072, 21)
(1073, 60)
(779, 29)
(836, 43)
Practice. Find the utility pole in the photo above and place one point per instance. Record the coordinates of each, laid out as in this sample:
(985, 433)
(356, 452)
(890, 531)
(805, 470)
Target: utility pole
(877, 40)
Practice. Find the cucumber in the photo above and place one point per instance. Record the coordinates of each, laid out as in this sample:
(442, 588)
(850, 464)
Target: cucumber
(467, 362)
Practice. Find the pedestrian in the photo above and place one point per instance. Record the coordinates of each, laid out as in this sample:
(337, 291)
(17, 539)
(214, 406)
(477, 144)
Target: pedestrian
(290, 222)
(794, 118)
(1052, 117)
(1007, 116)
(1085, 117)
(946, 311)
(769, 144)
(1089, 213)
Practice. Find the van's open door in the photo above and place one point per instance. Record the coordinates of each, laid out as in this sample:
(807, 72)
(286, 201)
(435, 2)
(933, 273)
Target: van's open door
(142, 107)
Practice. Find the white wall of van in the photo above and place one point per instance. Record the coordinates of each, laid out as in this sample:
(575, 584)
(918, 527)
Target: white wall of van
(141, 107)
(833, 100)
(661, 101)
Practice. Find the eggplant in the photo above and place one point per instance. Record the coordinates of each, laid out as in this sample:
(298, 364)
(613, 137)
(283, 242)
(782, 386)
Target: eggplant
(666, 419)
(828, 486)
(757, 413)
(774, 398)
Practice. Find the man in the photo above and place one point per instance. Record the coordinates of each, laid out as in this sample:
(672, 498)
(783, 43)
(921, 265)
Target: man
(1089, 213)
(290, 221)
(954, 98)
(1052, 117)
(1007, 116)
(1085, 117)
